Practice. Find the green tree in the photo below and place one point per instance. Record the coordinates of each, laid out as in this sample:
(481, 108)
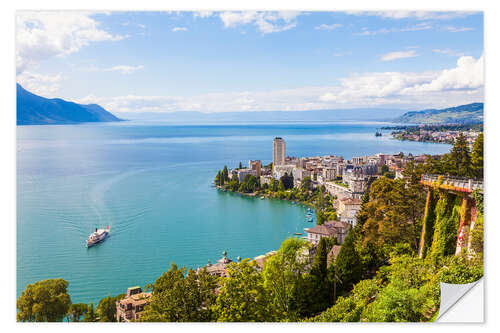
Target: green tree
(287, 181)
(43, 301)
(350, 308)
(106, 309)
(318, 268)
(306, 184)
(320, 217)
(234, 184)
(90, 315)
(242, 297)
(250, 184)
(76, 311)
(283, 277)
(459, 162)
(348, 263)
(273, 185)
(281, 186)
(225, 174)
(181, 298)
(240, 166)
(217, 180)
(322, 286)
(477, 157)
(394, 213)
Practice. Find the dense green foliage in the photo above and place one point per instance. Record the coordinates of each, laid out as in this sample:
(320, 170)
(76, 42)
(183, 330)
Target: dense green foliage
(477, 163)
(43, 301)
(106, 309)
(242, 296)
(90, 316)
(76, 311)
(407, 290)
(460, 161)
(469, 113)
(181, 297)
(446, 226)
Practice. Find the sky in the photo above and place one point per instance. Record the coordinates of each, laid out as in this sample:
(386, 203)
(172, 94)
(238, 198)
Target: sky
(252, 61)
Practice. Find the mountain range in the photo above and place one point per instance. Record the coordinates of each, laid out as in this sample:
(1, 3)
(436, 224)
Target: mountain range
(37, 110)
(469, 113)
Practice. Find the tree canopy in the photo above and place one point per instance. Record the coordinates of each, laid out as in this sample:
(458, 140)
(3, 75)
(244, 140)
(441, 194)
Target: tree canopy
(181, 297)
(44, 301)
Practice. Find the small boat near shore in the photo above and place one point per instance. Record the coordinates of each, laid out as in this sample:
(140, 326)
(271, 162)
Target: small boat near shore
(297, 233)
(98, 236)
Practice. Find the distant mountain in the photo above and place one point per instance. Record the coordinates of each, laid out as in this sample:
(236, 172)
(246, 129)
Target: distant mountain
(36, 110)
(470, 113)
(378, 114)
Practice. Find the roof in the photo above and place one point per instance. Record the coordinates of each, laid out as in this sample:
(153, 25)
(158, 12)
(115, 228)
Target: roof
(137, 299)
(260, 260)
(337, 224)
(135, 287)
(322, 230)
(351, 201)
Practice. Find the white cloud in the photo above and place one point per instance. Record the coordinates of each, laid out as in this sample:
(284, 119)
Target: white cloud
(448, 52)
(419, 15)
(328, 27)
(203, 14)
(40, 84)
(460, 85)
(44, 34)
(468, 75)
(451, 28)
(398, 55)
(124, 69)
(176, 29)
(416, 27)
(266, 22)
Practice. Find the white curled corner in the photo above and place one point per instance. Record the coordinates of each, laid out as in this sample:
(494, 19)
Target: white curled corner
(462, 303)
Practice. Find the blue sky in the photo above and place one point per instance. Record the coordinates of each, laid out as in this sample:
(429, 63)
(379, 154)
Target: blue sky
(252, 61)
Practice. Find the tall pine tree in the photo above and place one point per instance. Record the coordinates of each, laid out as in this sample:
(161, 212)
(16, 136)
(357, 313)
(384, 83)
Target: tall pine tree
(348, 263)
(477, 157)
(459, 163)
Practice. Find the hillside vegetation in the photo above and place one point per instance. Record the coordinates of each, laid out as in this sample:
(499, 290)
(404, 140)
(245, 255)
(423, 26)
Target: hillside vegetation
(470, 113)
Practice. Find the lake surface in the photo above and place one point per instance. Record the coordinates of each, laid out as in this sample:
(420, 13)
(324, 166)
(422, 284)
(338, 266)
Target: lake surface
(151, 183)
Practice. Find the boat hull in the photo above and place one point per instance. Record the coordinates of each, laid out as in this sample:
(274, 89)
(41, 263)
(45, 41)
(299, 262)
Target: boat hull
(100, 239)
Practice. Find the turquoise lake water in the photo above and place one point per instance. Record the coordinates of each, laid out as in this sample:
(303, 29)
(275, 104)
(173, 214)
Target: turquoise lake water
(151, 183)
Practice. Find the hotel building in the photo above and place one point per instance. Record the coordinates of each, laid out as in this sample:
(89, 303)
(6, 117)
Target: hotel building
(279, 149)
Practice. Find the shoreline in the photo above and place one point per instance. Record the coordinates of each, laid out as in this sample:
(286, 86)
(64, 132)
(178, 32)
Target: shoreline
(265, 195)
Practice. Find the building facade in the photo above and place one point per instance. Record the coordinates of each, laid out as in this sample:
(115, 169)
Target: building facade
(328, 229)
(255, 165)
(242, 173)
(131, 307)
(279, 151)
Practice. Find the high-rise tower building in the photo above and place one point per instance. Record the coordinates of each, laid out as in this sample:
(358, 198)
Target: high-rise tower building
(279, 149)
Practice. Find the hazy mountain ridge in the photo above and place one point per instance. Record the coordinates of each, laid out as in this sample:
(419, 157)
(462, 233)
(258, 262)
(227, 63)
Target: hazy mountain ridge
(468, 113)
(366, 114)
(37, 110)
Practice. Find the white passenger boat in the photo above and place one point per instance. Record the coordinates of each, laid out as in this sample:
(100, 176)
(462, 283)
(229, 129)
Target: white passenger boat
(98, 236)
